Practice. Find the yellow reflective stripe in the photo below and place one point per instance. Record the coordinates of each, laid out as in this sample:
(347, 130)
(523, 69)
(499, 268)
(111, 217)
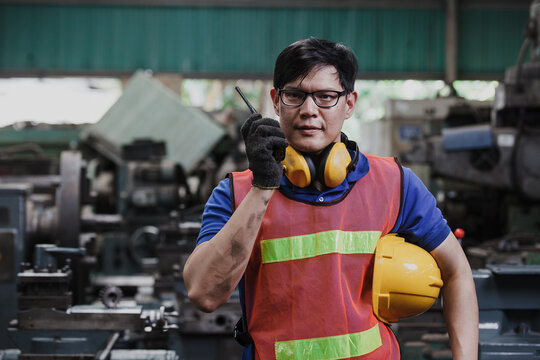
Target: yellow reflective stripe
(330, 348)
(327, 242)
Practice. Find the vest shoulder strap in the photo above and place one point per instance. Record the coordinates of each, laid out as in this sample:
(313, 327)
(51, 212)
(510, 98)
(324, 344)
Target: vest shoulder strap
(240, 183)
(392, 170)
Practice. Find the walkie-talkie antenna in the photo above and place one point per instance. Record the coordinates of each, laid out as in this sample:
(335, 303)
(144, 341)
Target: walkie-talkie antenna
(251, 108)
(279, 154)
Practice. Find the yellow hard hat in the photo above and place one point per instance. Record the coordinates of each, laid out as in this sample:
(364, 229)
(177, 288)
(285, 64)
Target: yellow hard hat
(406, 279)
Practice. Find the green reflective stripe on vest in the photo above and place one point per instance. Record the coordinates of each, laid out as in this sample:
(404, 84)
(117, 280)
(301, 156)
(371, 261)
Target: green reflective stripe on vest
(327, 242)
(330, 348)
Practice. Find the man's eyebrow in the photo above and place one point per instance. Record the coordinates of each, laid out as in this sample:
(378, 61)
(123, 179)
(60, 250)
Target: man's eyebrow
(299, 89)
(291, 88)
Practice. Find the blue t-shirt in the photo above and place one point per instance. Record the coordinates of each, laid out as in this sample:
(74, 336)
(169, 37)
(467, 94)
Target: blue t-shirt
(419, 222)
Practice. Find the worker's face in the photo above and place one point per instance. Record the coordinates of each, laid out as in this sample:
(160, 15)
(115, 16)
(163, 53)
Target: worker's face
(310, 128)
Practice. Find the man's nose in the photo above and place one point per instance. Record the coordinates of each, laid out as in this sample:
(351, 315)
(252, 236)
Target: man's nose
(309, 107)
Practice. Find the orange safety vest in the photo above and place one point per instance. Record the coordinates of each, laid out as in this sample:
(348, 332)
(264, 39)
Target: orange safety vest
(308, 280)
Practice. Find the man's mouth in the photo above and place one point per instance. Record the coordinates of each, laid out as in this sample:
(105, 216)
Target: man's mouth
(308, 129)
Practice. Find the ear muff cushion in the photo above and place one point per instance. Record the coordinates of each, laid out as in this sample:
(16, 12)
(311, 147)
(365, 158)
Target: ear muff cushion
(335, 164)
(299, 169)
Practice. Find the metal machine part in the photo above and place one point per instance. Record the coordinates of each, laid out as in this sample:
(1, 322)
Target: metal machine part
(160, 320)
(509, 312)
(69, 199)
(54, 201)
(50, 320)
(221, 321)
(82, 317)
(110, 296)
(47, 317)
(43, 285)
(148, 182)
(44, 289)
(12, 163)
(512, 249)
(142, 244)
(143, 355)
(489, 164)
(13, 246)
(148, 185)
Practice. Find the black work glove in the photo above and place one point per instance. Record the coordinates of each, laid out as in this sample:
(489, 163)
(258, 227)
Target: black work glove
(265, 149)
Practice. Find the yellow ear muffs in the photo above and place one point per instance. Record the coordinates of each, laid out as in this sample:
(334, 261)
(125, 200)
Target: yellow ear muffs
(334, 164)
(333, 167)
(299, 170)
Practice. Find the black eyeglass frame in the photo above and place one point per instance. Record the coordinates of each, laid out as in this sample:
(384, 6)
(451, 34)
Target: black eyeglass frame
(312, 94)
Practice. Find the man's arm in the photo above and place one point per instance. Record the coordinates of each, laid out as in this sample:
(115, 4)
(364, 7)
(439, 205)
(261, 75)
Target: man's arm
(459, 298)
(216, 266)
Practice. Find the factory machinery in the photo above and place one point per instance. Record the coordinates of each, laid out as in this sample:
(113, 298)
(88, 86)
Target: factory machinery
(484, 167)
(91, 258)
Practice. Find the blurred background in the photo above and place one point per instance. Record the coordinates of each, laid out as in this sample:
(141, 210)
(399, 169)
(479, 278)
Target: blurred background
(117, 119)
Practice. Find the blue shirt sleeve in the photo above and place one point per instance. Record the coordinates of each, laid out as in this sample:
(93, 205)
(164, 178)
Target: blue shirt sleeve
(217, 211)
(420, 220)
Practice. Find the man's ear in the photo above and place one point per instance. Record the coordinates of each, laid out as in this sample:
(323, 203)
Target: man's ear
(275, 99)
(350, 103)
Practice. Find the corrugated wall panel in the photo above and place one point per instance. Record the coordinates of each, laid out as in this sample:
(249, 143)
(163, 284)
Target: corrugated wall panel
(242, 41)
(211, 40)
(489, 40)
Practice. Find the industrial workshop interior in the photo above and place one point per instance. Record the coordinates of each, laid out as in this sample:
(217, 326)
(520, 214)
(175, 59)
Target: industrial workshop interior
(119, 118)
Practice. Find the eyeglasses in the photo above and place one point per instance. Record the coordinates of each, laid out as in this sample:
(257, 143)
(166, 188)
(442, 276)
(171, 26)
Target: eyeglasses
(322, 98)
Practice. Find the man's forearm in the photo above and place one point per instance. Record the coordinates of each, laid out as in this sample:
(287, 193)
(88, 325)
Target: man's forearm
(461, 314)
(459, 299)
(215, 267)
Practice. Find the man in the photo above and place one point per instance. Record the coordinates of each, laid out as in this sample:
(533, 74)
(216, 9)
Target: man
(303, 256)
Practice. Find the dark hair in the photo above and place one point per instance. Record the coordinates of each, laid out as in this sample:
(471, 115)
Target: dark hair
(299, 58)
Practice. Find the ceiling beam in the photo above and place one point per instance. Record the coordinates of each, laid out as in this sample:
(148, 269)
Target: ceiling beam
(235, 76)
(307, 4)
